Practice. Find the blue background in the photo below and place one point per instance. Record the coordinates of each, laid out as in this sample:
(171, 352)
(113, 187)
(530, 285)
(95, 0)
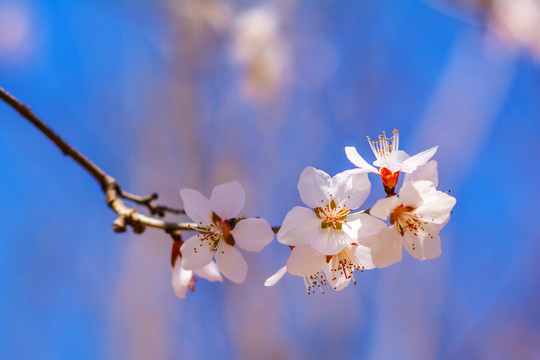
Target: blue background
(151, 93)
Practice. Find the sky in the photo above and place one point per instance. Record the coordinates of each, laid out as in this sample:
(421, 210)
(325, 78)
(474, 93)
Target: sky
(167, 95)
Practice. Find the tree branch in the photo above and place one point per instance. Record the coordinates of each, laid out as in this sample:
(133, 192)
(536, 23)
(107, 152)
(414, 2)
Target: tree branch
(113, 192)
(148, 201)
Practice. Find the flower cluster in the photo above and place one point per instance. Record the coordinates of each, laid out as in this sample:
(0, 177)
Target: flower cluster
(330, 238)
(329, 241)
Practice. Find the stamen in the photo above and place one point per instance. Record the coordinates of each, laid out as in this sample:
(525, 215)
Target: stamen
(406, 220)
(215, 234)
(314, 281)
(332, 215)
(385, 149)
(344, 264)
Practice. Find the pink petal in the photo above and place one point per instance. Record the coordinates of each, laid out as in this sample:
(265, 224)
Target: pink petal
(417, 160)
(432, 247)
(427, 245)
(195, 253)
(252, 234)
(436, 206)
(314, 187)
(272, 280)
(209, 272)
(384, 207)
(386, 249)
(330, 241)
(336, 279)
(350, 188)
(410, 193)
(298, 227)
(425, 172)
(362, 226)
(401, 156)
(305, 261)
(180, 280)
(363, 254)
(197, 206)
(231, 263)
(228, 199)
(357, 160)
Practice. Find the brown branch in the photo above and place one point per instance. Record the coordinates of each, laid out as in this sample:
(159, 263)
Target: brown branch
(148, 202)
(113, 192)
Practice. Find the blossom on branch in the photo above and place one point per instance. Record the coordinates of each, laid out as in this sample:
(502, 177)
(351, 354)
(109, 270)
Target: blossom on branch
(319, 270)
(416, 215)
(328, 225)
(221, 230)
(328, 241)
(183, 279)
(390, 160)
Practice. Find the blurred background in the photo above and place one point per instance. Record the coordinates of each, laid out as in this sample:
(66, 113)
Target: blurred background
(165, 95)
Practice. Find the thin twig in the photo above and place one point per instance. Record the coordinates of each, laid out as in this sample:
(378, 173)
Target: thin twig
(148, 202)
(113, 192)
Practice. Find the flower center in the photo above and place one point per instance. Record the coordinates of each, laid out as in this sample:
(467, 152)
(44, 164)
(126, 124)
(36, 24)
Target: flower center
(385, 149)
(332, 215)
(219, 230)
(406, 220)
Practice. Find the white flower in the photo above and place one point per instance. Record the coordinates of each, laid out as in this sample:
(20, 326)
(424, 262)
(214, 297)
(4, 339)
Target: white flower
(317, 270)
(417, 215)
(329, 226)
(183, 279)
(220, 230)
(390, 160)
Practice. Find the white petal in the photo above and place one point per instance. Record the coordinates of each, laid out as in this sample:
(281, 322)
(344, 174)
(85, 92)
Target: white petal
(363, 254)
(330, 241)
(195, 253)
(180, 280)
(314, 187)
(436, 205)
(336, 279)
(252, 234)
(357, 160)
(305, 261)
(298, 227)
(417, 160)
(410, 193)
(228, 199)
(209, 272)
(401, 156)
(197, 206)
(272, 280)
(427, 245)
(432, 246)
(363, 226)
(231, 263)
(384, 207)
(393, 165)
(425, 172)
(350, 188)
(386, 249)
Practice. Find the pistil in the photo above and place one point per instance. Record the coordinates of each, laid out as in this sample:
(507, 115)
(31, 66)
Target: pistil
(332, 215)
(404, 218)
